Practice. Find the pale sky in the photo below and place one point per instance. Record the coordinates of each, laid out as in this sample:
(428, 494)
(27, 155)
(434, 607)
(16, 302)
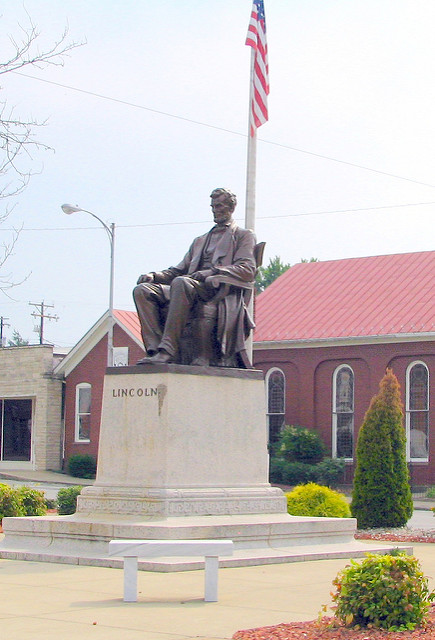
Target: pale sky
(352, 86)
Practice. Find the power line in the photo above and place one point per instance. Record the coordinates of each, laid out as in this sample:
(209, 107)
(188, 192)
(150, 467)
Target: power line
(188, 222)
(236, 133)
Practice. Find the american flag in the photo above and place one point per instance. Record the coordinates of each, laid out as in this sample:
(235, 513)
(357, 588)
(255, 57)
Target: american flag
(256, 39)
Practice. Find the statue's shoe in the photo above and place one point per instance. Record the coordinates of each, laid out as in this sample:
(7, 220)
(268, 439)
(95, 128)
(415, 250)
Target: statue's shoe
(161, 357)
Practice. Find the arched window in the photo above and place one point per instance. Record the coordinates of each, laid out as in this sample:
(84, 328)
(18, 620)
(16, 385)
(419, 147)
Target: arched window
(275, 386)
(343, 413)
(417, 411)
(83, 412)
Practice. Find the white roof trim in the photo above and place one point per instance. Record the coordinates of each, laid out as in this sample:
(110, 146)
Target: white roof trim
(83, 346)
(345, 341)
(88, 342)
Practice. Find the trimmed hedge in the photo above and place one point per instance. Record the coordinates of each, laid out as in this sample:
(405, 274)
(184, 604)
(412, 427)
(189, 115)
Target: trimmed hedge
(299, 444)
(82, 466)
(383, 591)
(67, 500)
(329, 472)
(316, 501)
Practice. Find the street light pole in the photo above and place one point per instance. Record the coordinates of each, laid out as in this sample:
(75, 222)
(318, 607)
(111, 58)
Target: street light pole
(68, 209)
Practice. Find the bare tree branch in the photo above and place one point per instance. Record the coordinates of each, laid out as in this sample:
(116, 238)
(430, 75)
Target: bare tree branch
(18, 139)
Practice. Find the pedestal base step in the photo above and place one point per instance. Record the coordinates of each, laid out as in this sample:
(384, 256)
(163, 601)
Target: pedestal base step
(247, 558)
(258, 539)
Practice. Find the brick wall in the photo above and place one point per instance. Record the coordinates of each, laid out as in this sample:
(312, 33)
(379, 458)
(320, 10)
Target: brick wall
(309, 375)
(91, 369)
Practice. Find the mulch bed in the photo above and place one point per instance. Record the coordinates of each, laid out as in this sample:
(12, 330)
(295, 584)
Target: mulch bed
(327, 628)
(398, 535)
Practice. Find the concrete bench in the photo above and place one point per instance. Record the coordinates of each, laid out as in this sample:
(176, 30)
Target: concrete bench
(131, 550)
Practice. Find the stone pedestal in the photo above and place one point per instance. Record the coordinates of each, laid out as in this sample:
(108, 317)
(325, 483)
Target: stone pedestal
(183, 455)
(177, 442)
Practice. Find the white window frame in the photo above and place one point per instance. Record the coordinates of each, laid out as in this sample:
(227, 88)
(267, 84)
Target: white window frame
(334, 410)
(81, 385)
(409, 411)
(268, 375)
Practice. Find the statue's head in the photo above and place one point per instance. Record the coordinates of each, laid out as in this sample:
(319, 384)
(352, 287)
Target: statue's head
(225, 196)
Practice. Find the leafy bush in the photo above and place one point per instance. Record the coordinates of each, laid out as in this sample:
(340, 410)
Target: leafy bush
(82, 466)
(430, 493)
(313, 500)
(298, 444)
(276, 470)
(329, 472)
(295, 473)
(67, 500)
(388, 592)
(10, 502)
(382, 494)
(33, 501)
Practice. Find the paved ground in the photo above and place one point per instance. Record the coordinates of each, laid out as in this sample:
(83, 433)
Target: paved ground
(43, 601)
(48, 481)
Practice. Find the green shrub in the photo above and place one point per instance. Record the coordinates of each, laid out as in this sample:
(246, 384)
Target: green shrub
(50, 503)
(381, 493)
(276, 469)
(298, 444)
(33, 501)
(313, 500)
(294, 473)
(329, 472)
(67, 500)
(82, 466)
(388, 592)
(430, 493)
(10, 502)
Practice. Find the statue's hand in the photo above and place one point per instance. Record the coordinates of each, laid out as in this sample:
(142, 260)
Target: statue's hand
(202, 275)
(213, 281)
(146, 277)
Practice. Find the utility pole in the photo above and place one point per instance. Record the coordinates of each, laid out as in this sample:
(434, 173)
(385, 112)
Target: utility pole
(42, 315)
(3, 324)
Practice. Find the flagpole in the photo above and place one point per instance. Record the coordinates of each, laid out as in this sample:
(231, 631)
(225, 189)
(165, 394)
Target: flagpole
(251, 157)
(258, 115)
(251, 165)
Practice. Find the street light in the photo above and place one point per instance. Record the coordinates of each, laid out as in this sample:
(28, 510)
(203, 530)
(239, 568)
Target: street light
(68, 209)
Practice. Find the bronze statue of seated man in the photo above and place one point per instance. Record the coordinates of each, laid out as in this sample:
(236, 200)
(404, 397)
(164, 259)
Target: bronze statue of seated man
(167, 300)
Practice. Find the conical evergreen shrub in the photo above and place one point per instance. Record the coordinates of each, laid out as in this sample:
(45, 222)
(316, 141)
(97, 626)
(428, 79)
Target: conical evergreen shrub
(381, 493)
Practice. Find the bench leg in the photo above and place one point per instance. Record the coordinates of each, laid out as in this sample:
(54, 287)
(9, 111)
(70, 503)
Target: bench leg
(130, 579)
(211, 578)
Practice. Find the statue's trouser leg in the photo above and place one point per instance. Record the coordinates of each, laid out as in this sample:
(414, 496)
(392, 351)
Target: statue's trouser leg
(203, 334)
(184, 293)
(150, 301)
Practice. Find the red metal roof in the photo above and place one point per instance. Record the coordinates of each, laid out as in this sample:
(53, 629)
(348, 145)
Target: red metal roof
(130, 321)
(375, 296)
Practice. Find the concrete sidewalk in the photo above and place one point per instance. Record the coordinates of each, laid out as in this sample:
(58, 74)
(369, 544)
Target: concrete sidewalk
(42, 477)
(48, 601)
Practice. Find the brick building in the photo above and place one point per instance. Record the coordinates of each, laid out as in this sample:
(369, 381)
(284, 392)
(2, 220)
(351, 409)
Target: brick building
(327, 331)
(83, 372)
(325, 334)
